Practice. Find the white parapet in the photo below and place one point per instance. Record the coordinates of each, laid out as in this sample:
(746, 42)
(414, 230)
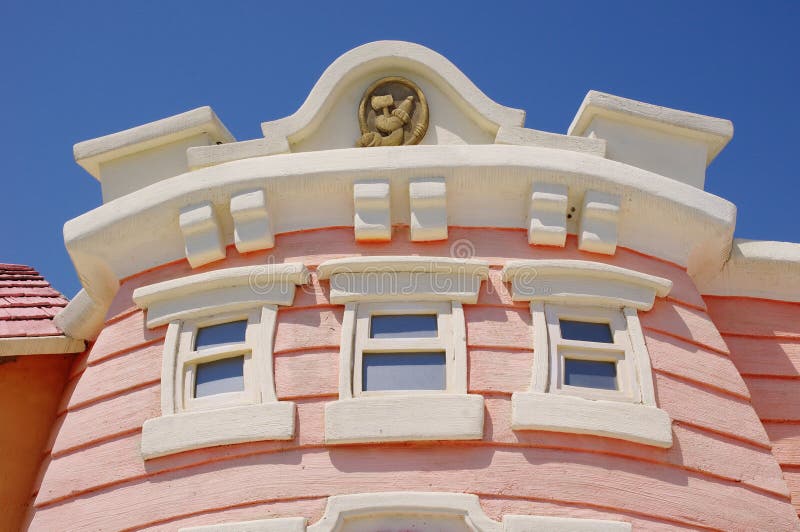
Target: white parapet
(428, 199)
(373, 218)
(547, 216)
(252, 227)
(599, 220)
(201, 234)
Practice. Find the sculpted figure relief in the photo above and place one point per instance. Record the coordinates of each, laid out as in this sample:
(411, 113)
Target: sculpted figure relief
(393, 112)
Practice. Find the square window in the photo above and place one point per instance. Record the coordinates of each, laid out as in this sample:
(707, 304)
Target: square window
(219, 376)
(586, 331)
(220, 334)
(404, 326)
(590, 373)
(404, 371)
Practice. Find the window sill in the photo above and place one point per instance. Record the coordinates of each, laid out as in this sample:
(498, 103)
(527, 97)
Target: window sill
(404, 418)
(638, 423)
(172, 434)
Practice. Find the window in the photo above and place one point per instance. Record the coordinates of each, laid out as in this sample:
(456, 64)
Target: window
(403, 353)
(402, 347)
(217, 384)
(591, 370)
(590, 353)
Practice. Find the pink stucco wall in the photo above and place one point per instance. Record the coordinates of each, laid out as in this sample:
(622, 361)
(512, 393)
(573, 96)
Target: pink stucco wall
(720, 473)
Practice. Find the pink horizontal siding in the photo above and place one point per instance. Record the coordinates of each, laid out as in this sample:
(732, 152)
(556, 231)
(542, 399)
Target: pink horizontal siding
(719, 474)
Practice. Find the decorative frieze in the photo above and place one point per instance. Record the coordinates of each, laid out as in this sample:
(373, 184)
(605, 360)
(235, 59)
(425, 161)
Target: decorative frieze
(599, 219)
(373, 219)
(252, 227)
(428, 200)
(547, 216)
(201, 234)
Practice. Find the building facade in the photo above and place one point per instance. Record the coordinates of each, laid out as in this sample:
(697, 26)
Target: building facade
(401, 309)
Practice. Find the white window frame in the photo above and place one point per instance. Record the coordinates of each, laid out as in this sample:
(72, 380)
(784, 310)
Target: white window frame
(620, 352)
(595, 292)
(187, 304)
(419, 285)
(444, 341)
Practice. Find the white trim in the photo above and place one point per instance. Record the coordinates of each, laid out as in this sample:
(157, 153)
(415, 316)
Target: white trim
(583, 283)
(252, 225)
(599, 222)
(372, 221)
(370, 279)
(224, 290)
(40, 345)
(427, 200)
(393, 418)
(90, 154)
(547, 215)
(759, 269)
(714, 132)
(464, 506)
(521, 136)
(202, 234)
(613, 419)
(176, 433)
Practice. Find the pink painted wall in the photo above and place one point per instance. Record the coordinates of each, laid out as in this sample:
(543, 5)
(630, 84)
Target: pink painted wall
(764, 339)
(720, 474)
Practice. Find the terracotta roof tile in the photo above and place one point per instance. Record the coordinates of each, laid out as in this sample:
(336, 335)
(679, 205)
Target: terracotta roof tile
(27, 303)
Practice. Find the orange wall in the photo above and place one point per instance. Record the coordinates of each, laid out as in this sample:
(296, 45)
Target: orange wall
(719, 474)
(764, 339)
(30, 389)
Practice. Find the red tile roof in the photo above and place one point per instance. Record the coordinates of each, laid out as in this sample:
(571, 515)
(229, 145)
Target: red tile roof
(27, 303)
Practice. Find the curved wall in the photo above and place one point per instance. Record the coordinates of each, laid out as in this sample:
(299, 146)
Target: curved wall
(719, 474)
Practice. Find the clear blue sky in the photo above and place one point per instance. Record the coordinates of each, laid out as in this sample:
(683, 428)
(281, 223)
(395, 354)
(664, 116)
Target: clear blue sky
(72, 71)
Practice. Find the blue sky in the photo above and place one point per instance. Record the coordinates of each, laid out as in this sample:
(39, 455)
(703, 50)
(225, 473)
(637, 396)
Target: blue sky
(72, 71)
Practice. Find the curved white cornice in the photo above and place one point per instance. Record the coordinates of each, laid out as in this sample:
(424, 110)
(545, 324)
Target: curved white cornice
(583, 282)
(761, 269)
(479, 268)
(386, 55)
(487, 186)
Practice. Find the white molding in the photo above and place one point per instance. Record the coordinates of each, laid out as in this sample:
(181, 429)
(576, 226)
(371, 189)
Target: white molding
(252, 226)
(176, 433)
(218, 291)
(388, 505)
(758, 269)
(714, 132)
(583, 283)
(393, 418)
(427, 198)
(612, 419)
(372, 204)
(485, 184)
(202, 234)
(379, 56)
(90, 154)
(547, 215)
(521, 136)
(600, 216)
(346, 351)
(40, 345)
(394, 278)
(83, 317)
(528, 523)
(540, 375)
(277, 524)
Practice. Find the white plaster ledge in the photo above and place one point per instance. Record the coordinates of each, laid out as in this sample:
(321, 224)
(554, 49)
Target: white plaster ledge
(222, 290)
(393, 418)
(521, 136)
(91, 153)
(583, 282)
(760, 269)
(403, 279)
(40, 345)
(714, 132)
(562, 413)
(176, 433)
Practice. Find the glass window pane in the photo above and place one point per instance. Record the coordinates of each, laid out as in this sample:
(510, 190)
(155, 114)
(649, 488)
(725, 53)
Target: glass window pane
(590, 374)
(586, 331)
(220, 376)
(403, 371)
(224, 333)
(404, 326)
